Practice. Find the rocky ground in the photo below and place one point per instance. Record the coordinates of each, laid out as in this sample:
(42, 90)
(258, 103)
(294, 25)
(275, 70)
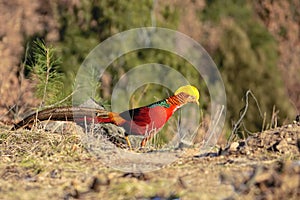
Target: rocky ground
(44, 165)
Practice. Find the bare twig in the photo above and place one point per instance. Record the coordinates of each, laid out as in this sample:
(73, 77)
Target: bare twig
(244, 111)
(274, 118)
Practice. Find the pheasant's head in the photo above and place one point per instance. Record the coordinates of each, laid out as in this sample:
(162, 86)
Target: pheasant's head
(188, 94)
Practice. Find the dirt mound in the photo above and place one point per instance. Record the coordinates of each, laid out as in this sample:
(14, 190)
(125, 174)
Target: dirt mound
(278, 174)
(284, 140)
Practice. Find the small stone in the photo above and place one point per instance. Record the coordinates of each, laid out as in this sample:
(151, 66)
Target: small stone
(282, 146)
(234, 146)
(56, 173)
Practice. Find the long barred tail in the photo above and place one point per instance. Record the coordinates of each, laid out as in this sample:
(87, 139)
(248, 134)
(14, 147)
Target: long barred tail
(68, 113)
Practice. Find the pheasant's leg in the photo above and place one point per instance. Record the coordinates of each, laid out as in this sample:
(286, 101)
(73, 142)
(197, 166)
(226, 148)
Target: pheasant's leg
(128, 142)
(143, 143)
(147, 138)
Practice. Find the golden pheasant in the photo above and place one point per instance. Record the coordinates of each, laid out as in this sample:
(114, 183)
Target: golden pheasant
(146, 120)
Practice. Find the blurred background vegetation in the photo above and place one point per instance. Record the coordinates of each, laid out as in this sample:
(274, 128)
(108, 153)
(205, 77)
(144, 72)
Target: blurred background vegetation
(255, 44)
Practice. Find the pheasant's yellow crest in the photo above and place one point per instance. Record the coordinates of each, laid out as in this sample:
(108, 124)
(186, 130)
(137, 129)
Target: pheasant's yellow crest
(190, 90)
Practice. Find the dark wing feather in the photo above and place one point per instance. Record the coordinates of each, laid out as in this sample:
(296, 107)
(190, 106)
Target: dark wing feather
(140, 116)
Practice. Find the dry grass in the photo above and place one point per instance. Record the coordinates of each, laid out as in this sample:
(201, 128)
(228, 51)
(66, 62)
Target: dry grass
(44, 165)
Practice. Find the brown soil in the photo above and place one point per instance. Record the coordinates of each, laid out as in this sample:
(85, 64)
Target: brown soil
(45, 165)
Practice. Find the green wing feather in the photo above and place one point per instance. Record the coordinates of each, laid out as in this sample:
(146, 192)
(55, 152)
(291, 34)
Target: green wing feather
(162, 103)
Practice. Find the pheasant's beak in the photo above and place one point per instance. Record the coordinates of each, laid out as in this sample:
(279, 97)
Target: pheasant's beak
(194, 100)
